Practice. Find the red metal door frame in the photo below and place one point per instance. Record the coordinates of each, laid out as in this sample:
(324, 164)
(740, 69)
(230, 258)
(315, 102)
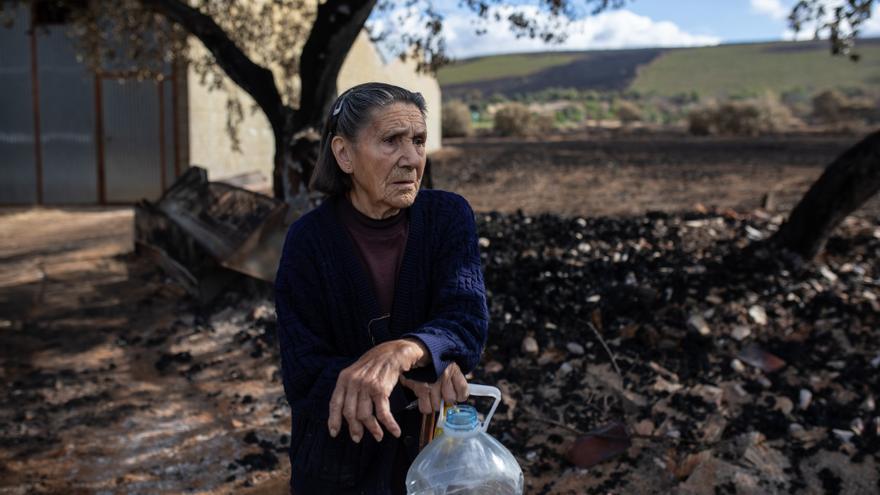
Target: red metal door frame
(99, 122)
(35, 92)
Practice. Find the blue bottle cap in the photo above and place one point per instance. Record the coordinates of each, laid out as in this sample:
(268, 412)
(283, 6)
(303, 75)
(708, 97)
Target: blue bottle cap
(462, 418)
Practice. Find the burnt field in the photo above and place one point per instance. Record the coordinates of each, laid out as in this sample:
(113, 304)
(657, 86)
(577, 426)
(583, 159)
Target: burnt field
(600, 70)
(606, 172)
(621, 297)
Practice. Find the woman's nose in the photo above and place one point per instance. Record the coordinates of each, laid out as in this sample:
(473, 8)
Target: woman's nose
(412, 155)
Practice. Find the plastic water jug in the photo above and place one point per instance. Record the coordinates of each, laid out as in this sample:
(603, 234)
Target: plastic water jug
(464, 459)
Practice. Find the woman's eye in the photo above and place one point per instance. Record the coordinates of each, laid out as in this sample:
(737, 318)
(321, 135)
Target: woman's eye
(389, 140)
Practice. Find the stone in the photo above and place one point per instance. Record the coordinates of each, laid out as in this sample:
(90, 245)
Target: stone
(684, 468)
(699, 325)
(575, 348)
(828, 274)
(565, 369)
(484, 242)
(714, 299)
(843, 435)
(737, 366)
(644, 427)
(753, 233)
(493, 367)
(857, 426)
(709, 393)
(713, 429)
(551, 355)
(758, 315)
(661, 385)
(263, 311)
(529, 345)
(804, 399)
(740, 332)
(784, 405)
(706, 476)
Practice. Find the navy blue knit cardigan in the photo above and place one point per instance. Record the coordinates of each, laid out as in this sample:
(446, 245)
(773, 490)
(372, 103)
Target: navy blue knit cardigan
(328, 316)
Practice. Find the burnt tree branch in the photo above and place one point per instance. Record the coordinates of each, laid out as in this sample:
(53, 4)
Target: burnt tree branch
(850, 180)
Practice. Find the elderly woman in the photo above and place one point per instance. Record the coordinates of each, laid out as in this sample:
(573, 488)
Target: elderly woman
(380, 300)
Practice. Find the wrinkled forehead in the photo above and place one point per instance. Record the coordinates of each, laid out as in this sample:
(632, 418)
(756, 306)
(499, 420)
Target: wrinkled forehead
(398, 117)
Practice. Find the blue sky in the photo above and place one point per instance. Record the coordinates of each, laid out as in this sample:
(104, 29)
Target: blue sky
(639, 24)
(730, 20)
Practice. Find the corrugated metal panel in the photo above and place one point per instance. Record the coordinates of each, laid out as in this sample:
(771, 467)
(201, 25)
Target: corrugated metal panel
(132, 160)
(67, 121)
(18, 171)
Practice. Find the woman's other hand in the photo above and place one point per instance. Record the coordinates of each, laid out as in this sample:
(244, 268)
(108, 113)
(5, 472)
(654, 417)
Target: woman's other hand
(363, 389)
(451, 387)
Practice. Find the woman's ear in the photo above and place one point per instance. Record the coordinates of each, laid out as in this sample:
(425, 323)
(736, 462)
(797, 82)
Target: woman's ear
(342, 153)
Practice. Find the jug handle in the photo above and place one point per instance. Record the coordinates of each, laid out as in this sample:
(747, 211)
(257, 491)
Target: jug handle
(479, 391)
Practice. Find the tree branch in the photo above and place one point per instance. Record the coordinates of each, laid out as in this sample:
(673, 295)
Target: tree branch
(254, 79)
(850, 180)
(336, 27)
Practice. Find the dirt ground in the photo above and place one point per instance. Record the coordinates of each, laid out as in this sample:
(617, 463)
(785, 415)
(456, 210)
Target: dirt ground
(114, 381)
(97, 391)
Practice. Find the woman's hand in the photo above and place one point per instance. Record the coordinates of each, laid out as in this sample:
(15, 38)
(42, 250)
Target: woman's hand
(362, 390)
(451, 387)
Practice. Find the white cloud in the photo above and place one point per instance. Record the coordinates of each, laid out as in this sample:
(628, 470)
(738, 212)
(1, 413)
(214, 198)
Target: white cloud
(614, 29)
(870, 28)
(772, 8)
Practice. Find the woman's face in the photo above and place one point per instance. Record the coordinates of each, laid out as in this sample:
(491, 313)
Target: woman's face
(386, 160)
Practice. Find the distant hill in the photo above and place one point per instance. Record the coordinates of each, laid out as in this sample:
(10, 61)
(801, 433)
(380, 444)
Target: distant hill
(711, 71)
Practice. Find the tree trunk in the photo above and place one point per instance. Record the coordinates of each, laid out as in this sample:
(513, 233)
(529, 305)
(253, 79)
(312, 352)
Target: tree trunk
(336, 27)
(844, 186)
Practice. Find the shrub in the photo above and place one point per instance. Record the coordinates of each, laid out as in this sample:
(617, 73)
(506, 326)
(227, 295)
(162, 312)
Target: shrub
(829, 106)
(570, 113)
(456, 119)
(497, 98)
(863, 109)
(515, 119)
(628, 111)
(833, 107)
(596, 109)
(701, 121)
(542, 124)
(741, 118)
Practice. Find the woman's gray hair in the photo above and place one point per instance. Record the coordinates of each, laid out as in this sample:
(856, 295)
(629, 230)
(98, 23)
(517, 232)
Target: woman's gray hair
(351, 111)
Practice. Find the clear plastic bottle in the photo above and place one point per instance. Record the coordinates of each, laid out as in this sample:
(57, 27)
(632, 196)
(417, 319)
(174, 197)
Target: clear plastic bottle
(464, 459)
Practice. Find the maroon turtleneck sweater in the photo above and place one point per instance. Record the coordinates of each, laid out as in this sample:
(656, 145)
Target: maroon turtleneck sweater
(380, 245)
